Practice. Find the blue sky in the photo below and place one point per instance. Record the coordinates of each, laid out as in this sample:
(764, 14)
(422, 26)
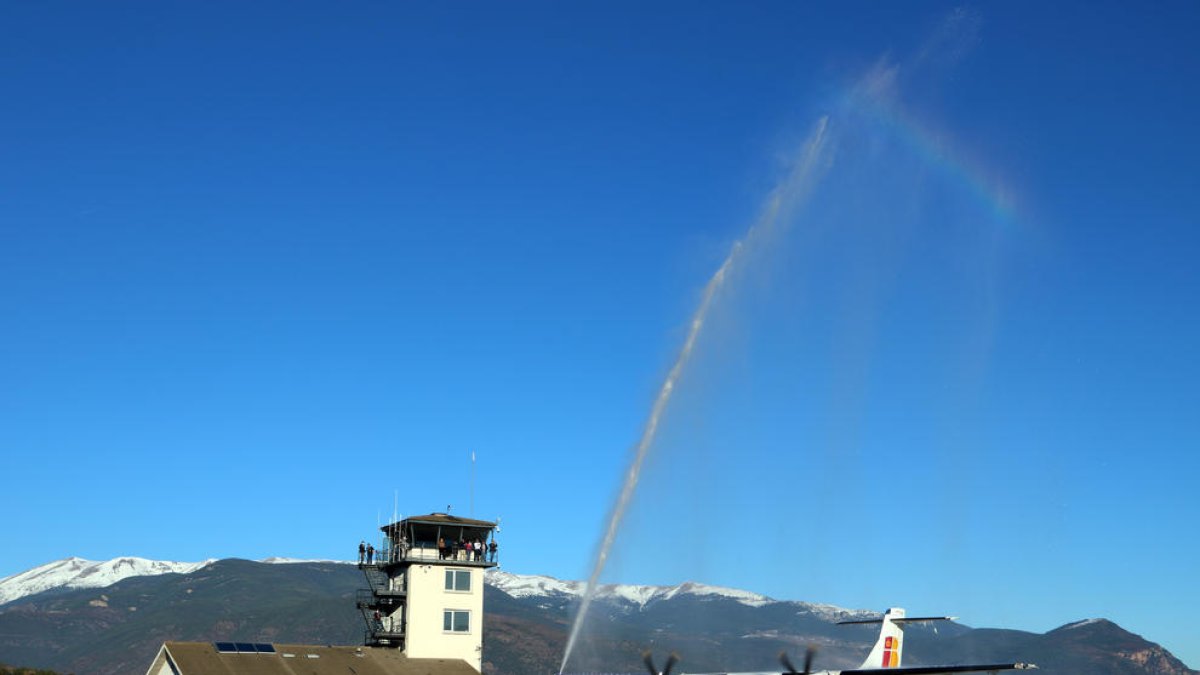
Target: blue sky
(264, 266)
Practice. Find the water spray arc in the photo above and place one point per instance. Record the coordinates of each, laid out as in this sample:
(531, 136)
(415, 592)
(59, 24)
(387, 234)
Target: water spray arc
(788, 194)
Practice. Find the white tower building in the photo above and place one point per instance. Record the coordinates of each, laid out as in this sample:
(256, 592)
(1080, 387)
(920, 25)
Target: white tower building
(426, 587)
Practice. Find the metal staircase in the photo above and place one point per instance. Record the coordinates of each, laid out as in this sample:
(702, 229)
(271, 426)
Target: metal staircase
(378, 602)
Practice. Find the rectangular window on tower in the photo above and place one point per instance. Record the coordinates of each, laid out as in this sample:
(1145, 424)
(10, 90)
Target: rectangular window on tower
(456, 621)
(458, 581)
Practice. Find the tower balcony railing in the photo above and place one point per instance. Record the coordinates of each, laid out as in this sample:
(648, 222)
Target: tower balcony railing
(383, 637)
(396, 554)
(368, 598)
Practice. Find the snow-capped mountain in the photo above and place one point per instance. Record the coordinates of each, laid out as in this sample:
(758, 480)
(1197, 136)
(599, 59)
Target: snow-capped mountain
(79, 573)
(525, 586)
(92, 629)
(534, 586)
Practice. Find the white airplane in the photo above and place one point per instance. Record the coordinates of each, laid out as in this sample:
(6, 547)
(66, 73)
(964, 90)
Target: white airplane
(884, 658)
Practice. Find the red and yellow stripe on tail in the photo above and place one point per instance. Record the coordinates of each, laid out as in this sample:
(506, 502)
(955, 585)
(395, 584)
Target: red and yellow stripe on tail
(891, 652)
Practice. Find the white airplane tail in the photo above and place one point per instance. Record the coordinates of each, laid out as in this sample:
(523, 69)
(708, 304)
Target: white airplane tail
(890, 646)
(887, 650)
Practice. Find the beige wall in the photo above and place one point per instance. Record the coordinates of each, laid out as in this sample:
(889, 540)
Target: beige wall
(160, 665)
(427, 600)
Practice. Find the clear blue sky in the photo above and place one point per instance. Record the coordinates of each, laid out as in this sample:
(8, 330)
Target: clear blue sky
(262, 266)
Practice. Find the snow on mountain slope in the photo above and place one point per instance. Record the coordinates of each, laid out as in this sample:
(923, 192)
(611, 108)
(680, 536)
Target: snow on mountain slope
(80, 573)
(531, 585)
(744, 597)
(525, 586)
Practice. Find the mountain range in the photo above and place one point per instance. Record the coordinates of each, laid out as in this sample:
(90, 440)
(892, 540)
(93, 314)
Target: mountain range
(103, 618)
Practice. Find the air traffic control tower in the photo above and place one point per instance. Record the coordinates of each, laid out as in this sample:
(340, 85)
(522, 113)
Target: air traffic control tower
(425, 594)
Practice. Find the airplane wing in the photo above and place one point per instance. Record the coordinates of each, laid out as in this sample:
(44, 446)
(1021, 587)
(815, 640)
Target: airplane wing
(909, 670)
(924, 670)
(901, 619)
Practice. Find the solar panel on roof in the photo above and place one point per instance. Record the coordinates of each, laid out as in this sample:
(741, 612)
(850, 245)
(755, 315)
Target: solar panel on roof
(244, 648)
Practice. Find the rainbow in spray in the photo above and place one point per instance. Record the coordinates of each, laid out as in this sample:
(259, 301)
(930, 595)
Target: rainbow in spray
(873, 100)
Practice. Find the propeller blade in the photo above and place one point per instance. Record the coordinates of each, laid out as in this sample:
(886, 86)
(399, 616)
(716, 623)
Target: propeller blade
(672, 659)
(808, 658)
(649, 661)
(787, 663)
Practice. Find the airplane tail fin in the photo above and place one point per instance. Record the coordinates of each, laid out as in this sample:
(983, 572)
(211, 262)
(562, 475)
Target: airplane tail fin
(887, 650)
(889, 647)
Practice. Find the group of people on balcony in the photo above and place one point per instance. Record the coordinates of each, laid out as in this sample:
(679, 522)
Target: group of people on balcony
(462, 549)
(366, 553)
(472, 550)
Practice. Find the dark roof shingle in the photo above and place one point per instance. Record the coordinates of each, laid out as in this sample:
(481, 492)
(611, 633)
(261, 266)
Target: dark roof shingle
(202, 658)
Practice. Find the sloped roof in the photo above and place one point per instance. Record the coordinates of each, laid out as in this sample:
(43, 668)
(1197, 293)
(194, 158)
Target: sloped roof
(202, 658)
(442, 519)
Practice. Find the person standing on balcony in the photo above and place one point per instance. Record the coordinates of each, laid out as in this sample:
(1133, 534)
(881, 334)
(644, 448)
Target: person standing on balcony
(362, 551)
(370, 553)
(492, 549)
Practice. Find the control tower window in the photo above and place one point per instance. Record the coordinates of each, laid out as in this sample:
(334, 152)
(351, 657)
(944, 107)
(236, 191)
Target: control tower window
(456, 621)
(458, 580)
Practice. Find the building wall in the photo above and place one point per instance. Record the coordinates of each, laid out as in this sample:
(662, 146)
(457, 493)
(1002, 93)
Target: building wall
(428, 599)
(160, 665)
